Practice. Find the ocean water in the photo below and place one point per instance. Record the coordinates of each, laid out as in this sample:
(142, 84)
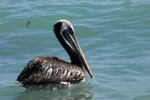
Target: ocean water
(113, 34)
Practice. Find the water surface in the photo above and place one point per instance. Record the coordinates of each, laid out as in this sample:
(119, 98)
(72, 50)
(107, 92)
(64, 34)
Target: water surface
(114, 36)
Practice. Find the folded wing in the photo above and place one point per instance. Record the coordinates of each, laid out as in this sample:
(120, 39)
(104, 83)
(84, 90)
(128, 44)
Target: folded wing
(47, 69)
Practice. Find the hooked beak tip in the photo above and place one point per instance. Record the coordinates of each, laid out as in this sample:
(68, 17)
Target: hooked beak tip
(91, 76)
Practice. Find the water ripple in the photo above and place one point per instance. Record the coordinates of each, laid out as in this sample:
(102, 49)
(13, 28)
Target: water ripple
(114, 36)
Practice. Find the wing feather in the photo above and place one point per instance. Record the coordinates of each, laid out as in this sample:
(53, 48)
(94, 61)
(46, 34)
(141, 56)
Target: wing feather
(47, 69)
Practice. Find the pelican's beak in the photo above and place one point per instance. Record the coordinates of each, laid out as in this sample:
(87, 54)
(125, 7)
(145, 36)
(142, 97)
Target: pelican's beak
(72, 41)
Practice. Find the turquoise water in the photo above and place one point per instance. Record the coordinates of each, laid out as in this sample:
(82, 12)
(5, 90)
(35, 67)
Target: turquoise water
(113, 34)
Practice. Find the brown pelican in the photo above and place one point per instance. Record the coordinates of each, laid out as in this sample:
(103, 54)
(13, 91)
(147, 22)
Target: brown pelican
(48, 71)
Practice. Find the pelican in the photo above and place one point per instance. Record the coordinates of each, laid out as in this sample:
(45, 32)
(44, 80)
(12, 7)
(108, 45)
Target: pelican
(49, 72)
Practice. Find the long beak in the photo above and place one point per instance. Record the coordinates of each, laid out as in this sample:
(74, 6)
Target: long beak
(85, 62)
(72, 41)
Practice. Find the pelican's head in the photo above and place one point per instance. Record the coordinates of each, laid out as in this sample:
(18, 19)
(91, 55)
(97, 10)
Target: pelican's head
(64, 32)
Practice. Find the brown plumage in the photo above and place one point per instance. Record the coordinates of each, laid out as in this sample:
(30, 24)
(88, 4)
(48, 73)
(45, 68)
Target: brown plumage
(48, 71)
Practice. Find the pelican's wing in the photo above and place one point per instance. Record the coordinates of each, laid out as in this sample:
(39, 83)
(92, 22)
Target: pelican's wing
(47, 69)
